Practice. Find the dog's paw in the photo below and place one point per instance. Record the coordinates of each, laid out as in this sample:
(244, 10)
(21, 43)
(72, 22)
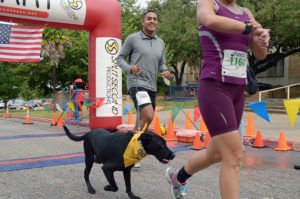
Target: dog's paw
(132, 196)
(110, 188)
(91, 190)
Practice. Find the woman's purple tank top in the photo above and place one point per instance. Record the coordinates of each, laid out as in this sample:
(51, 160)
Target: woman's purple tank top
(213, 44)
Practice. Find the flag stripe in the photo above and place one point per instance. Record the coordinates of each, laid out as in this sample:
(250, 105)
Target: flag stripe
(25, 32)
(25, 41)
(19, 57)
(12, 51)
(20, 60)
(25, 35)
(18, 54)
(20, 48)
(21, 45)
(27, 27)
(24, 44)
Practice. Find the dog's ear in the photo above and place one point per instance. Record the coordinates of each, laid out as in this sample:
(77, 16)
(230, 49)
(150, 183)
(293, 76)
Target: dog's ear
(145, 137)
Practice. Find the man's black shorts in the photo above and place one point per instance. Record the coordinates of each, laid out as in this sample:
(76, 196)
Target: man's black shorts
(132, 92)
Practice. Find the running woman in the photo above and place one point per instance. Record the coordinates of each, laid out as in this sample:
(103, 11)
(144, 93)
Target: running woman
(226, 30)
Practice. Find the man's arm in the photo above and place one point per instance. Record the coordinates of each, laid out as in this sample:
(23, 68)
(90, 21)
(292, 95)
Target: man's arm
(124, 53)
(162, 62)
(162, 65)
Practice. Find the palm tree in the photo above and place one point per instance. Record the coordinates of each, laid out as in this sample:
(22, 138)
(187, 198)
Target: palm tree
(54, 42)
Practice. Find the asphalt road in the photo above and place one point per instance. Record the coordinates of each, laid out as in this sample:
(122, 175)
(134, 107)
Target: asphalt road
(264, 174)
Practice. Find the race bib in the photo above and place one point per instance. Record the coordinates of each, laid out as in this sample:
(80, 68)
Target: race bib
(235, 64)
(143, 98)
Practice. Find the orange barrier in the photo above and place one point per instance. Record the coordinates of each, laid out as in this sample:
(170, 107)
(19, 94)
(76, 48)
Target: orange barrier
(188, 121)
(27, 121)
(130, 117)
(170, 132)
(207, 138)
(59, 121)
(54, 120)
(282, 144)
(7, 113)
(197, 142)
(250, 131)
(259, 141)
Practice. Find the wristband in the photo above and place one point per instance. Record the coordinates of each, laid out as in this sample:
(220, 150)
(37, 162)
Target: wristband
(247, 29)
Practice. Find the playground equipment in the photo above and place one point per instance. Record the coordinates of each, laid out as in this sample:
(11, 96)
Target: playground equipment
(102, 18)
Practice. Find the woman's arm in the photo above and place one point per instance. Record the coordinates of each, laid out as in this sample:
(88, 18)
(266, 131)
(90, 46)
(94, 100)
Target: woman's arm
(259, 37)
(206, 16)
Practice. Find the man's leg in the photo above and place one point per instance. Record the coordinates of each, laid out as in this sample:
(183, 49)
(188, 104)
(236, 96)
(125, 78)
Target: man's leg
(146, 116)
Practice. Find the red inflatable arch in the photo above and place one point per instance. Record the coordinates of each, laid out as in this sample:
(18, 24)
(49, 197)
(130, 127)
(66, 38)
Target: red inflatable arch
(102, 18)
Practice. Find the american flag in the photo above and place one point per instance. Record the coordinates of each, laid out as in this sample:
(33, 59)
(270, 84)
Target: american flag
(20, 43)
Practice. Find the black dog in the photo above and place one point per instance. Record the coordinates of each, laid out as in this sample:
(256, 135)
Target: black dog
(108, 148)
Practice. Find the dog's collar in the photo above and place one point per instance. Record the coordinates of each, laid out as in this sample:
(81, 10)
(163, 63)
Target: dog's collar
(134, 152)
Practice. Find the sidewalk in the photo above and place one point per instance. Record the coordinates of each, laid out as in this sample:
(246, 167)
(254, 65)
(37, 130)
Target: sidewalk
(270, 131)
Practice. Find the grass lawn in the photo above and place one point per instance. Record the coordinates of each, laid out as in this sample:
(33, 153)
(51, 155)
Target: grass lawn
(159, 102)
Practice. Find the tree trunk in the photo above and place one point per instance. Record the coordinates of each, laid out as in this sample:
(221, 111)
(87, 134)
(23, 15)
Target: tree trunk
(54, 79)
(271, 60)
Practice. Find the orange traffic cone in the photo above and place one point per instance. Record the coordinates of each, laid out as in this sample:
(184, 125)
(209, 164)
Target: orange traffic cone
(154, 119)
(27, 117)
(282, 144)
(59, 121)
(170, 132)
(197, 142)
(207, 138)
(188, 121)
(130, 117)
(157, 129)
(174, 126)
(7, 113)
(250, 131)
(54, 120)
(203, 128)
(259, 141)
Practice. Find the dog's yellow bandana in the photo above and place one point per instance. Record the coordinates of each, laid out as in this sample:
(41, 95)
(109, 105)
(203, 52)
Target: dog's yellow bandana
(134, 152)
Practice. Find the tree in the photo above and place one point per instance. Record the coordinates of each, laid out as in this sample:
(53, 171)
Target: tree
(54, 41)
(131, 23)
(178, 28)
(131, 17)
(8, 82)
(282, 17)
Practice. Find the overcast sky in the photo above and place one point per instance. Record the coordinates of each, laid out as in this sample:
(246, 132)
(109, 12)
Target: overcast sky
(142, 3)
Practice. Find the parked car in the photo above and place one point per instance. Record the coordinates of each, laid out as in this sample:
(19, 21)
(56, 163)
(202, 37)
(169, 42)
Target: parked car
(2, 105)
(17, 104)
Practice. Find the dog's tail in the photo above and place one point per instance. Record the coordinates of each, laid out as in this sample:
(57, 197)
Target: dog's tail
(72, 136)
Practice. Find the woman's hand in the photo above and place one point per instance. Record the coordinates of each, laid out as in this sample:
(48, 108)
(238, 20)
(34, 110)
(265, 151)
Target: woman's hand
(254, 26)
(261, 37)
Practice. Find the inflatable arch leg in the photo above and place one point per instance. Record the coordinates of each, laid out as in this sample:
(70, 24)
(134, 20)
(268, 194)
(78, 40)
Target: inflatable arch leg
(102, 18)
